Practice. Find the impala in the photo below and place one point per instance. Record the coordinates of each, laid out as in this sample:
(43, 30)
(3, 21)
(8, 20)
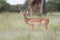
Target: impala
(35, 21)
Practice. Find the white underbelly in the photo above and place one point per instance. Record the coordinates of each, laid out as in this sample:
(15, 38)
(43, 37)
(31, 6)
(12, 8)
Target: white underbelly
(37, 24)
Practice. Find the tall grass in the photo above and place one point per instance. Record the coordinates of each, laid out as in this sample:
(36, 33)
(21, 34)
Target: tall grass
(13, 27)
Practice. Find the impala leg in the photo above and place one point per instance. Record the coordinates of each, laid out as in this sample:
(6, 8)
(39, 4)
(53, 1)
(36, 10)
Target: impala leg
(46, 24)
(45, 27)
(31, 29)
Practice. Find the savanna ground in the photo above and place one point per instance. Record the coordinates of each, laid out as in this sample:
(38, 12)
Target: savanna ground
(13, 27)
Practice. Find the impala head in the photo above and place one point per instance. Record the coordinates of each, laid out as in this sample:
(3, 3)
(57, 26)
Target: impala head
(23, 13)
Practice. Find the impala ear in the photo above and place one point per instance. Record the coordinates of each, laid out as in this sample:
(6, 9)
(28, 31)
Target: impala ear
(23, 12)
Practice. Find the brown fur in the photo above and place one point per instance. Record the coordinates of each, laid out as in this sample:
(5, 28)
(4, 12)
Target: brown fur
(36, 21)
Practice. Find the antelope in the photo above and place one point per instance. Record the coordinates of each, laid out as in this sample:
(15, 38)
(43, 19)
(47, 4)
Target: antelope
(35, 21)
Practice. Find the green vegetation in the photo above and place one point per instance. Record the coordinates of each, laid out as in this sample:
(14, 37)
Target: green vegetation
(13, 27)
(51, 5)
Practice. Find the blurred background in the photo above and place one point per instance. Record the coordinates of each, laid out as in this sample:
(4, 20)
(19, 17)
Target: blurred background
(17, 5)
(13, 27)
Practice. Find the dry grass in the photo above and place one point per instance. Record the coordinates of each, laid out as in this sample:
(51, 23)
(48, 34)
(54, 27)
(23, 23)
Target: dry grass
(13, 27)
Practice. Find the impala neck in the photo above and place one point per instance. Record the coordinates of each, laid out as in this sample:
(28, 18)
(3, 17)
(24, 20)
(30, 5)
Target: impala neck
(25, 17)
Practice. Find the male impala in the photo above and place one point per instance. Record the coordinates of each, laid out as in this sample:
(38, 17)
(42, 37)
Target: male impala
(35, 21)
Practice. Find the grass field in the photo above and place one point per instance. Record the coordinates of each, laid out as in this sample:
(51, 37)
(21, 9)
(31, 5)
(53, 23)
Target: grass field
(13, 27)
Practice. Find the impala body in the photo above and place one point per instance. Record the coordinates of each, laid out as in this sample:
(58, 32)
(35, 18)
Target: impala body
(36, 21)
